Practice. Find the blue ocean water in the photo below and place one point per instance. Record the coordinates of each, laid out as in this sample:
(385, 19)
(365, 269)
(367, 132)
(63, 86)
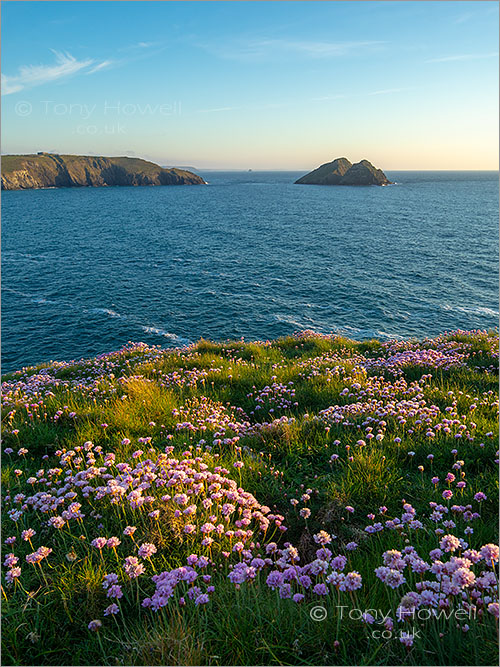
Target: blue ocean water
(86, 270)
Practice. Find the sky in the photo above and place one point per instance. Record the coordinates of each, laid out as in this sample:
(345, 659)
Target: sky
(260, 85)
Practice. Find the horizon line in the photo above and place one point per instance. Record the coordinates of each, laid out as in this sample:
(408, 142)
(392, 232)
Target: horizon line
(238, 169)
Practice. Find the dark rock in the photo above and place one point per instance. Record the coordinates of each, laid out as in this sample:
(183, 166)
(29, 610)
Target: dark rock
(46, 170)
(342, 172)
(330, 173)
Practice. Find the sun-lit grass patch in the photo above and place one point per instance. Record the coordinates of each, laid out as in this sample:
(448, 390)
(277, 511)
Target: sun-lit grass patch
(309, 500)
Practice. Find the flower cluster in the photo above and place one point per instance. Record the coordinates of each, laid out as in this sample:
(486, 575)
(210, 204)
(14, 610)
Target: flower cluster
(175, 487)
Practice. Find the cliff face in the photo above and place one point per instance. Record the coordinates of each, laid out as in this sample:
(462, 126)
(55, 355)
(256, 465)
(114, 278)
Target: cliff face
(21, 172)
(330, 173)
(342, 172)
(364, 173)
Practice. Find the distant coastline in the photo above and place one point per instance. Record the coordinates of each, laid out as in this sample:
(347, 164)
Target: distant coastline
(48, 170)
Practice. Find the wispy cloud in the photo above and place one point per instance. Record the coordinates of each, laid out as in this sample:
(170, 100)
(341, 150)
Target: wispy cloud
(265, 49)
(140, 46)
(463, 18)
(341, 96)
(296, 103)
(388, 91)
(483, 10)
(462, 57)
(9, 86)
(104, 65)
(217, 109)
(328, 97)
(315, 49)
(65, 66)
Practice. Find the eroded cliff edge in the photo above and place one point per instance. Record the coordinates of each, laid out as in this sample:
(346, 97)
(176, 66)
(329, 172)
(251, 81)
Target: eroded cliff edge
(47, 170)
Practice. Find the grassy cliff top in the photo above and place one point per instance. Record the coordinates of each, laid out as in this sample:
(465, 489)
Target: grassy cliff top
(15, 162)
(52, 170)
(236, 504)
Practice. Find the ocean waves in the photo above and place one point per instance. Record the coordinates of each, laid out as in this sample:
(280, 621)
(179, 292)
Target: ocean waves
(254, 257)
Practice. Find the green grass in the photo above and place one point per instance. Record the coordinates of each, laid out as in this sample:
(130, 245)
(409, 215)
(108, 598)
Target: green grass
(45, 163)
(142, 392)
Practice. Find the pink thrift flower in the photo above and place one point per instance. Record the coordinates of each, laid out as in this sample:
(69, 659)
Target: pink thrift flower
(133, 568)
(146, 550)
(28, 534)
(493, 609)
(14, 573)
(112, 609)
(113, 542)
(99, 542)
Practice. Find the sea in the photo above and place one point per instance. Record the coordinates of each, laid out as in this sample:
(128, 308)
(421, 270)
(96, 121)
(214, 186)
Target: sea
(250, 255)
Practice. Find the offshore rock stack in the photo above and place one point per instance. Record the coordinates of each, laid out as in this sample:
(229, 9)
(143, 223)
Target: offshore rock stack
(343, 172)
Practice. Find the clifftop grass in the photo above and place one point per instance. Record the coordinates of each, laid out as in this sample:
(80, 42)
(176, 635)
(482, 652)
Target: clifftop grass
(232, 452)
(45, 170)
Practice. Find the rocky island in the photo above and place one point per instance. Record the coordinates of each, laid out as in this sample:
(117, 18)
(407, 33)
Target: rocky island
(343, 172)
(48, 170)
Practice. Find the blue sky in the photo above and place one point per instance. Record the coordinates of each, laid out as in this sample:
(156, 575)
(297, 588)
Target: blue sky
(269, 85)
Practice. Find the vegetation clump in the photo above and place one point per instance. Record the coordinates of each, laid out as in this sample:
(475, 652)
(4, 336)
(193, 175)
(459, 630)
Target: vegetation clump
(308, 500)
